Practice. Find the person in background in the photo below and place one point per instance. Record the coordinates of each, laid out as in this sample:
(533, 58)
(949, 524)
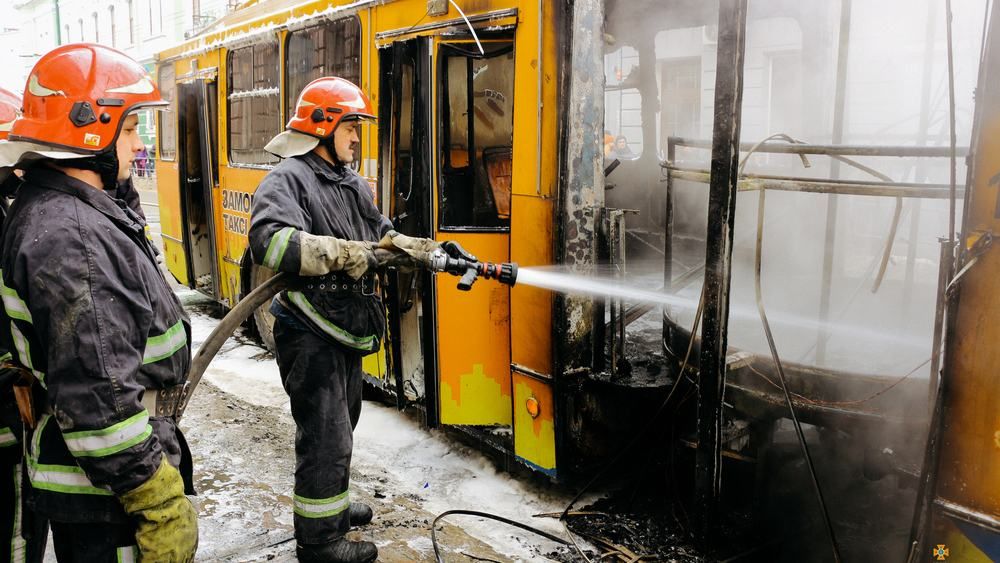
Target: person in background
(94, 325)
(141, 161)
(23, 534)
(621, 149)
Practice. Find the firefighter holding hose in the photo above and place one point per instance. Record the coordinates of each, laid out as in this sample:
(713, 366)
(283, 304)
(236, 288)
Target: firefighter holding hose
(315, 218)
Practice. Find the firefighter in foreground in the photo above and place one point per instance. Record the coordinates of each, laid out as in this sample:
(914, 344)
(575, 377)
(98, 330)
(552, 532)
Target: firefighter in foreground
(22, 536)
(93, 320)
(315, 217)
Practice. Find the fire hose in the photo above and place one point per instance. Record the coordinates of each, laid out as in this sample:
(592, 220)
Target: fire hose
(451, 258)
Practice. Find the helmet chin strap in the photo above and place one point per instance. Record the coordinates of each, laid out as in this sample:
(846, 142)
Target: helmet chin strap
(105, 164)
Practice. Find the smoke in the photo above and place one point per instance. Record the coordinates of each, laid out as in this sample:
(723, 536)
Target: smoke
(660, 72)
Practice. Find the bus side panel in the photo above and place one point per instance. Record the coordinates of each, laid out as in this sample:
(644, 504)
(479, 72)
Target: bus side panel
(531, 307)
(534, 430)
(235, 200)
(171, 219)
(474, 340)
(532, 234)
(532, 214)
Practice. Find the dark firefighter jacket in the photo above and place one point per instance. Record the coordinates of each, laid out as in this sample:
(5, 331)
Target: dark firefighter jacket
(305, 193)
(10, 422)
(95, 321)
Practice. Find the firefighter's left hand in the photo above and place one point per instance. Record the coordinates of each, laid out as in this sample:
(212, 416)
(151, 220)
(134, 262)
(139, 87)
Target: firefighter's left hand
(166, 522)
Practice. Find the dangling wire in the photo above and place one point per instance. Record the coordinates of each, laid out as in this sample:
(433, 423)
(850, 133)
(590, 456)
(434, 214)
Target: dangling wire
(468, 23)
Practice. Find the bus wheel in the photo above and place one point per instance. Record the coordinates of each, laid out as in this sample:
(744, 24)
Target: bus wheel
(263, 320)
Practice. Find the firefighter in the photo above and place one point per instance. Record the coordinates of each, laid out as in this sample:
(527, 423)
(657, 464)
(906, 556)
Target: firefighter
(93, 320)
(22, 536)
(315, 217)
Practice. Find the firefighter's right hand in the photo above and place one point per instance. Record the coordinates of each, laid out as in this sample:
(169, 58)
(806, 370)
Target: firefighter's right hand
(322, 255)
(166, 522)
(420, 250)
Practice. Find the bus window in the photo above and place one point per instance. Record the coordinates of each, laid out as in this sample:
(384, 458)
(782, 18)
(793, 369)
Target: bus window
(168, 119)
(330, 49)
(622, 103)
(477, 145)
(253, 103)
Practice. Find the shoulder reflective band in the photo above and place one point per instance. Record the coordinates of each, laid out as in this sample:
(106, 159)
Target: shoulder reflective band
(276, 248)
(164, 345)
(321, 508)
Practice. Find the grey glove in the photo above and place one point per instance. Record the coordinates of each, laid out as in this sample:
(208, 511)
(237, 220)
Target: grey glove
(322, 255)
(419, 249)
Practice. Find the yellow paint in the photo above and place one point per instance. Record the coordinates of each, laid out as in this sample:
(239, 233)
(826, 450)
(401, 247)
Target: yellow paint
(474, 398)
(534, 437)
(373, 365)
(531, 308)
(474, 336)
(533, 199)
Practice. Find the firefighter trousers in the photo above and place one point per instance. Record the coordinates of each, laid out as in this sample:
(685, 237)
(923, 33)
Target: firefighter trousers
(22, 533)
(323, 383)
(94, 542)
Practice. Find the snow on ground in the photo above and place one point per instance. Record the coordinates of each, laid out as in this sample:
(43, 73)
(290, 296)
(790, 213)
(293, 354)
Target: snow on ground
(413, 468)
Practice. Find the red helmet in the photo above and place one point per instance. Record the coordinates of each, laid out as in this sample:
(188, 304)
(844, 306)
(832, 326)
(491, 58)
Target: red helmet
(324, 103)
(78, 96)
(10, 106)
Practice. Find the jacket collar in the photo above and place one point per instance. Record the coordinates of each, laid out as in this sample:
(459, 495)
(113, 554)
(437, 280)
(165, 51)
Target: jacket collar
(52, 179)
(333, 173)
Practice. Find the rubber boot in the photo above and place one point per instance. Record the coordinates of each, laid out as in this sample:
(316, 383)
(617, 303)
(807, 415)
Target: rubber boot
(361, 514)
(339, 551)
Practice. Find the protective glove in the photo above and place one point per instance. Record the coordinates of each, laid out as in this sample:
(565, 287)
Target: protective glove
(322, 255)
(166, 523)
(418, 249)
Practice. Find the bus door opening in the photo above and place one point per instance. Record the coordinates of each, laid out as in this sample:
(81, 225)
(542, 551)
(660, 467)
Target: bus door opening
(474, 142)
(406, 190)
(197, 107)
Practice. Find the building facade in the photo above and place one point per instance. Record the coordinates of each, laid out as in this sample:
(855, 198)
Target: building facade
(140, 28)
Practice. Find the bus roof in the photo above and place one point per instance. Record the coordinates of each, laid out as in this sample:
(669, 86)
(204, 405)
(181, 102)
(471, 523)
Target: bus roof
(258, 17)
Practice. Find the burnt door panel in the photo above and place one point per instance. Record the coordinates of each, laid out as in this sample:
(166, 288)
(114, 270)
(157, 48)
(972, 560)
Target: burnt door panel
(404, 166)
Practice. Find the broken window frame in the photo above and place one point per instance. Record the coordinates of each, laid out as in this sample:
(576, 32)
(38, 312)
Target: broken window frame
(253, 102)
(468, 221)
(167, 137)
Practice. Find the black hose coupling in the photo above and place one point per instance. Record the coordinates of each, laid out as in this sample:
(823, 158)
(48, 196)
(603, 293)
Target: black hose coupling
(455, 260)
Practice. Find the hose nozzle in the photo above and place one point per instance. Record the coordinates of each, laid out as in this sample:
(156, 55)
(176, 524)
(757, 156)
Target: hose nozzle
(454, 259)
